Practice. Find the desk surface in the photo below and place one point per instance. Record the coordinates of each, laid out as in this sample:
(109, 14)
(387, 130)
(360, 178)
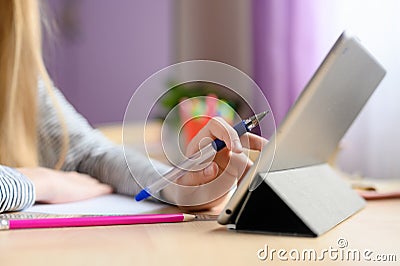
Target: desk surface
(376, 228)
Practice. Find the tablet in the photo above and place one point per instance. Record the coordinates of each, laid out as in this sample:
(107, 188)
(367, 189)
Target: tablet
(320, 117)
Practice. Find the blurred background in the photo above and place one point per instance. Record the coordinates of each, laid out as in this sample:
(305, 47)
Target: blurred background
(98, 52)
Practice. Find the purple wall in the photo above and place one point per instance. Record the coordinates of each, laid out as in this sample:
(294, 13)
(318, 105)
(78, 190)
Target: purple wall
(284, 49)
(105, 49)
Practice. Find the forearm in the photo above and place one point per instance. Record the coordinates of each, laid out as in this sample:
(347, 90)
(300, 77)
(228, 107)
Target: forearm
(109, 165)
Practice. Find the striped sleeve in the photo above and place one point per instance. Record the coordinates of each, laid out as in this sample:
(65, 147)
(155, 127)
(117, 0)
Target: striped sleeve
(16, 191)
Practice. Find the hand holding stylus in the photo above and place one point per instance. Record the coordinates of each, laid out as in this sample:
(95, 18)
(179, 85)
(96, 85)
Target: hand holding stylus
(229, 163)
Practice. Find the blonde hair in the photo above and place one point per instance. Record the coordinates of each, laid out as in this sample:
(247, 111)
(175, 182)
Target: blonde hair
(21, 65)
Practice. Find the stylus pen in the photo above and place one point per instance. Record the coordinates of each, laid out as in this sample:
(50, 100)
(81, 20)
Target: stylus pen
(7, 224)
(199, 157)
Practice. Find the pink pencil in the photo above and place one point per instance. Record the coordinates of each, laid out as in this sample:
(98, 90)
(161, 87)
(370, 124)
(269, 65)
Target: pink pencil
(6, 224)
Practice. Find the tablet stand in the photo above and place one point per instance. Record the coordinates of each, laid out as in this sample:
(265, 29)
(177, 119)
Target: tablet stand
(306, 201)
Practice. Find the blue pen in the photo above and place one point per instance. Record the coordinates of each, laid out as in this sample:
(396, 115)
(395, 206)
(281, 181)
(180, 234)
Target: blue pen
(199, 157)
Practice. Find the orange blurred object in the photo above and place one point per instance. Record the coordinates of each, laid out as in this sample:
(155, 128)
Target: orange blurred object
(193, 126)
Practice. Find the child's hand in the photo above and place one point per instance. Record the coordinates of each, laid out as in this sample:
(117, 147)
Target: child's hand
(52, 186)
(231, 163)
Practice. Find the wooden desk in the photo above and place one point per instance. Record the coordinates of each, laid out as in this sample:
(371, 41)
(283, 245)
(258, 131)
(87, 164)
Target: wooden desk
(377, 228)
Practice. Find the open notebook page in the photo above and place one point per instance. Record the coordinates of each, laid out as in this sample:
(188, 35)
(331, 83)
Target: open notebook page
(112, 204)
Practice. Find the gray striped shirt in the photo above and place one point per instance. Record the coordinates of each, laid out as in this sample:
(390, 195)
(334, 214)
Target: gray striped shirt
(89, 152)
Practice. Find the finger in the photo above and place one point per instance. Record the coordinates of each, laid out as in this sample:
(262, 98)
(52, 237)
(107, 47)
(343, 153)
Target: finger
(236, 165)
(216, 128)
(200, 177)
(104, 189)
(93, 184)
(97, 190)
(80, 177)
(253, 141)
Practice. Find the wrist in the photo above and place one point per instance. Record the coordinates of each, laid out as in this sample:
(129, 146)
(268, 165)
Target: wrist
(41, 187)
